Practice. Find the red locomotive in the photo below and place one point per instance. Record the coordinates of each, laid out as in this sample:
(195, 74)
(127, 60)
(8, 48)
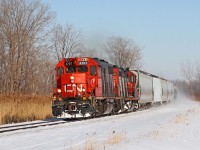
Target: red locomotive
(91, 86)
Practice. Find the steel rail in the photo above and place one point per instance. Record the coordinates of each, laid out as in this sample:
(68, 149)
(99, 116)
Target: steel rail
(29, 126)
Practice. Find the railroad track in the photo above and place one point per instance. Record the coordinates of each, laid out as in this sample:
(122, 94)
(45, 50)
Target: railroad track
(50, 122)
(15, 127)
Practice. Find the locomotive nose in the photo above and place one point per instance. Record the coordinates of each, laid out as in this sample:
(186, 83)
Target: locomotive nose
(77, 86)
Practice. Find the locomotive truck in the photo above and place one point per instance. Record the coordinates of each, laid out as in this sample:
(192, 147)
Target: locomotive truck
(92, 87)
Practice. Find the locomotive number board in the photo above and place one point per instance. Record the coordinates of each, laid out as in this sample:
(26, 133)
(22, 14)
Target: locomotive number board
(68, 63)
(82, 62)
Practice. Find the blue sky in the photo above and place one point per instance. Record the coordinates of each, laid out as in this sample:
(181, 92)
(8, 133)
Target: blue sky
(168, 30)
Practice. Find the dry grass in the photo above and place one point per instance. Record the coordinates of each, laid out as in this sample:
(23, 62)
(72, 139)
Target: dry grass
(94, 144)
(90, 146)
(19, 108)
(117, 138)
(182, 119)
(198, 98)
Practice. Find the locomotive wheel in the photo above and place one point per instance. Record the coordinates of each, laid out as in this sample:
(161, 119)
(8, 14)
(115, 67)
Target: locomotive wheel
(148, 105)
(86, 109)
(116, 106)
(99, 107)
(129, 106)
(57, 110)
(108, 108)
(135, 105)
(103, 107)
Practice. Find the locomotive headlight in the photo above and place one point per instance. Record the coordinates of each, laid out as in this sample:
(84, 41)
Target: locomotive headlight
(72, 79)
(59, 90)
(54, 97)
(84, 98)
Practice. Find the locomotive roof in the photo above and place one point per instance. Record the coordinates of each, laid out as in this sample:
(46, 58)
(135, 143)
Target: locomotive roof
(102, 63)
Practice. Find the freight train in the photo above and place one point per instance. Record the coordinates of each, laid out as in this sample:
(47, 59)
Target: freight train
(93, 87)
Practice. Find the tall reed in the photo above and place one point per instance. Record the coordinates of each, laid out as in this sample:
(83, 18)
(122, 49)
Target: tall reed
(19, 108)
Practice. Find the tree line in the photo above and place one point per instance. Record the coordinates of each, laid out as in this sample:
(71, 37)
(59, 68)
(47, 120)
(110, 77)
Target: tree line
(30, 46)
(191, 83)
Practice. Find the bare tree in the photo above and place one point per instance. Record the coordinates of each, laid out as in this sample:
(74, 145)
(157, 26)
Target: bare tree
(197, 74)
(187, 71)
(66, 41)
(123, 52)
(196, 82)
(23, 28)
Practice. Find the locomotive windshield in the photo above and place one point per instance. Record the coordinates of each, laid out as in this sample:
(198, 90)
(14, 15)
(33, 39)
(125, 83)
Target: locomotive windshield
(71, 69)
(82, 69)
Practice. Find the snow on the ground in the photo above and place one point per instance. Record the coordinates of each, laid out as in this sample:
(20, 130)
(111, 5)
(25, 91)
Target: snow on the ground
(172, 126)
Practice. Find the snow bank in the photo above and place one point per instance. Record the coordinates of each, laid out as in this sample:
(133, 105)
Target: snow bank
(171, 126)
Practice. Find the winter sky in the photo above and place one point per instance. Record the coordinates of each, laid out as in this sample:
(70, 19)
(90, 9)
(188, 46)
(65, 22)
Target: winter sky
(168, 31)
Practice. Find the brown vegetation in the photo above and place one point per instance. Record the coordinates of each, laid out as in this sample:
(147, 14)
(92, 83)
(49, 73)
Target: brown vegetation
(191, 85)
(19, 108)
(25, 64)
(117, 138)
(189, 89)
(93, 144)
(198, 98)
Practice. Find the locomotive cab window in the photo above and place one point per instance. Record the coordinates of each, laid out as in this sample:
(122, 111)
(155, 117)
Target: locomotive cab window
(60, 71)
(82, 69)
(71, 69)
(93, 71)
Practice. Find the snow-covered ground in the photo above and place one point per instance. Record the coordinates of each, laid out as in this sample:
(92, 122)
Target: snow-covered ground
(172, 126)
